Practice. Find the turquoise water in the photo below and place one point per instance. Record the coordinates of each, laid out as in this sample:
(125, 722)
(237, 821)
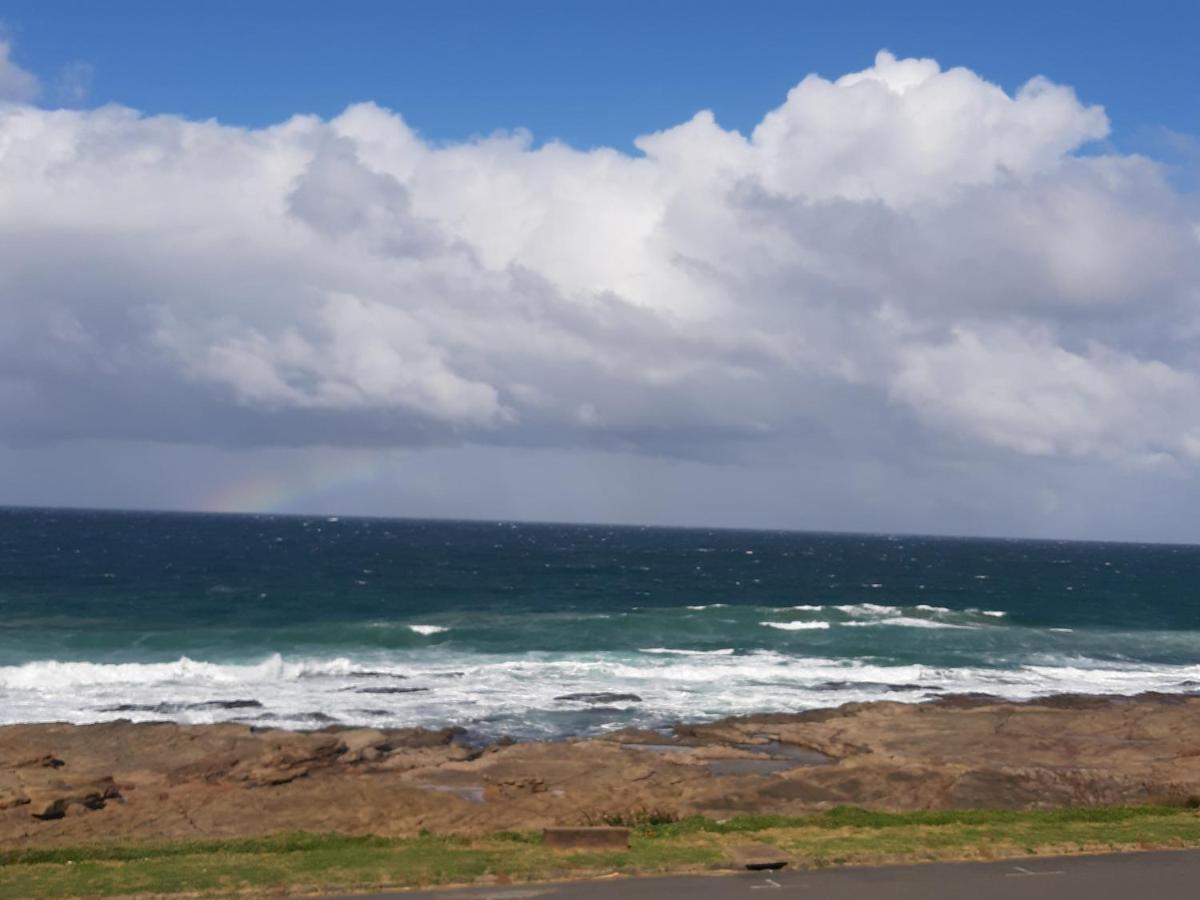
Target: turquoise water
(306, 621)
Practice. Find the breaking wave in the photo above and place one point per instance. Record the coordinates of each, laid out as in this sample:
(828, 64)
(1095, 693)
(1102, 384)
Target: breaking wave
(519, 694)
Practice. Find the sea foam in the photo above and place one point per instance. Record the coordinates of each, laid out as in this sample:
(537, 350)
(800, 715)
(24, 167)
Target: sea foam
(497, 694)
(428, 629)
(905, 622)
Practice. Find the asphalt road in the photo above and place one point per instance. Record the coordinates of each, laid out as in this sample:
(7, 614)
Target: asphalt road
(1129, 876)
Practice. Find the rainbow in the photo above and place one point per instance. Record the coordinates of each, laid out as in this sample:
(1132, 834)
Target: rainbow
(299, 487)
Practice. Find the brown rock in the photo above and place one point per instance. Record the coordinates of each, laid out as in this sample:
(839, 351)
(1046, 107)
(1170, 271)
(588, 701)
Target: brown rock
(53, 802)
(11, 798)
(187, 781)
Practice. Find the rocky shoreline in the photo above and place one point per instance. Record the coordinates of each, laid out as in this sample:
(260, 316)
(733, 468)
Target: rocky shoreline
(70, 784)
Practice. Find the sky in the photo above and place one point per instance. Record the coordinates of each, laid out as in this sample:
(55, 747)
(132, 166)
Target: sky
(885, 267)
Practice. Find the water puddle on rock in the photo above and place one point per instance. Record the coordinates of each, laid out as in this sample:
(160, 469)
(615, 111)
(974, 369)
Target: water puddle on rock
(793, 753)
(470, 793)
(772, 756)
(746, 766)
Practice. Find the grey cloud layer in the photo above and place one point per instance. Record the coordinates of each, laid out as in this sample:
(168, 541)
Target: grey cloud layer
(903, 246)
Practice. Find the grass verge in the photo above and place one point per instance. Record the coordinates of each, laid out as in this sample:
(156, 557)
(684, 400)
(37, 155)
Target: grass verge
(843, 836)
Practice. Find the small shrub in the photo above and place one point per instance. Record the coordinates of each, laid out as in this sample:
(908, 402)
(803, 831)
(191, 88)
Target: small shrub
(518, 837)
(641, 818)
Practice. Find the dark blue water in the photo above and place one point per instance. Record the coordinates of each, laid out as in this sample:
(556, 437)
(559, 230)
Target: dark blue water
(106, 614)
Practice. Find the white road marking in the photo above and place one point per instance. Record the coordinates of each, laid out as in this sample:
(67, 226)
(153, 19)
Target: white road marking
(769, 884)
(1023, 872)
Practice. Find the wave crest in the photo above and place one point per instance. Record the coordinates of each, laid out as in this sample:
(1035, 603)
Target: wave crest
(426, 630)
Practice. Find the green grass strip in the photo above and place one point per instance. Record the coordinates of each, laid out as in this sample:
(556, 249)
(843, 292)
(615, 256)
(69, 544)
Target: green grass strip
(330, 862)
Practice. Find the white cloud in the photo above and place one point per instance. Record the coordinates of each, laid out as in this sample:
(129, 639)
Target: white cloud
(15, 83)
(1020, 389)
(904, 131)
(73, 85)
(902, 248)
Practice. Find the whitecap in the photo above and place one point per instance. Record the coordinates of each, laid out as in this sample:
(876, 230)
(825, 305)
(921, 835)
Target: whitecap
(905, 622)
(511, 693)
(428, 629)
(55, 675)
(867, 609)
(798, 625)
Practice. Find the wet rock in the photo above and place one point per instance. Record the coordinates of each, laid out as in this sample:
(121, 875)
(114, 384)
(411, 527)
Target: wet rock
(601, 697)
(372, 674)
(425, 737)
(173, 707)
(871, 685)
(317, 716)
(225, 704)
(967, 701)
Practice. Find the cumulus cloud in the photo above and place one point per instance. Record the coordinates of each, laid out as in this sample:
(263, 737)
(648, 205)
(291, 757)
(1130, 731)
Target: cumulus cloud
(15, 83)
(905, 247)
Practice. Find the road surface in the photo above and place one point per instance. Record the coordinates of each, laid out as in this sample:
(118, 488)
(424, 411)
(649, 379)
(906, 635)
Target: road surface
(1173, 875)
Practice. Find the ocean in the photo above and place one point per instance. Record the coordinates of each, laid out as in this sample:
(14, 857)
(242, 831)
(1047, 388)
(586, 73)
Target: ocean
(538, 630)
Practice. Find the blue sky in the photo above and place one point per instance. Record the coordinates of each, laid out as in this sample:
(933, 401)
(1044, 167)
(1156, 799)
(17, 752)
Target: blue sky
(927, 295)
(593, 73)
